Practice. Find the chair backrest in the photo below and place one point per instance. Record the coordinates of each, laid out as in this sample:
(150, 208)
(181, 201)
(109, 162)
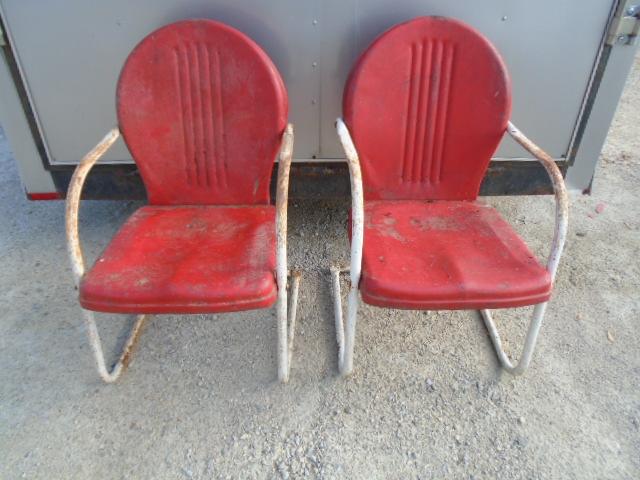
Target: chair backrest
(427, 104)
(202, 109)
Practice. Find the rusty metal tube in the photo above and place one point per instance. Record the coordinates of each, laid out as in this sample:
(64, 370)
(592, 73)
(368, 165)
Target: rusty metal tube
(73, 201)
(345, 359)
(110, 376)
(282, 199)
(560, 191)
(557, 245)
(74, 249)
(337, 311)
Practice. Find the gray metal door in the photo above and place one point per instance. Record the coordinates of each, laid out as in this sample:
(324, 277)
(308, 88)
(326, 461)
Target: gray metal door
(70, 53)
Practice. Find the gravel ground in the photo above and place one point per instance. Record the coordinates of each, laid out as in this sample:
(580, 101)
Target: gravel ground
(427, 399)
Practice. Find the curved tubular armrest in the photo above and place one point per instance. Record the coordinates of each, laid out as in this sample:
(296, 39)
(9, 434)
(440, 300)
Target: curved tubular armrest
(282, 198)
(357, 201)
(73, 201)
(562, 200)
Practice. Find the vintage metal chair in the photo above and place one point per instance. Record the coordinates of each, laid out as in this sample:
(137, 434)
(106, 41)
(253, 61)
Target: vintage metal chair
(425, 108)
(203, 111)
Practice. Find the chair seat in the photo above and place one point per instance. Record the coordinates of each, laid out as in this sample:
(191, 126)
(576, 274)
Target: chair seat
(186, 259)
(446, 255)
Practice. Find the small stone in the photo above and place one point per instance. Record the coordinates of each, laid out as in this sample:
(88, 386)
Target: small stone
(521, 421)
(430, 385)
(187, 472)
(578, 316)
(347, 410)
(610, 336)
(580, 233)
(520, 442)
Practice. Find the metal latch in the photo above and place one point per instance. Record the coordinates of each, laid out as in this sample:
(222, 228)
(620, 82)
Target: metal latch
(625, 24)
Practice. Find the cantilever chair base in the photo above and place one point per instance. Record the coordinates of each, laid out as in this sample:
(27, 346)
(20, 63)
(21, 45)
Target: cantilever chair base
(110, 376)
(345, 353)
(529, 343)
(126, 356)
(345, 335)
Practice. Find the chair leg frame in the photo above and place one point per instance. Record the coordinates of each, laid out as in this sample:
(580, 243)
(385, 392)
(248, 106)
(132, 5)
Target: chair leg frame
(557, 245)
(529, 343)
(287, 312)
(74, 249)
(111, 375)
(345, 334)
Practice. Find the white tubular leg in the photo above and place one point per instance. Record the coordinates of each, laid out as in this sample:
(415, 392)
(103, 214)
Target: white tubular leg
(110, 376)
(287, 324)
(283, 341)
(345, 334)
(286, 313)
(293, 310)
(337, 311)
(350, 330)
(529, 344)
(557, 245)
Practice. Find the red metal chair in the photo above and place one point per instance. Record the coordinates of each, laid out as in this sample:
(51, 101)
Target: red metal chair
(203, 111)
(425, 108)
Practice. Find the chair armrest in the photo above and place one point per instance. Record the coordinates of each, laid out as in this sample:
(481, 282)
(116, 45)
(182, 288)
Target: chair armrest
(282, 199)
(73, 201)
(357, 201)
(562, 199)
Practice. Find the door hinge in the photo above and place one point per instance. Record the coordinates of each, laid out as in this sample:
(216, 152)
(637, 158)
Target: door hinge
(625, 24)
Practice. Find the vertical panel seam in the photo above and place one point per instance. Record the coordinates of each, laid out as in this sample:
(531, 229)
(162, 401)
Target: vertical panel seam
(207, 112)
(183, 126)
(219, 120)
(442, 123)
(407, 117)
(433, 114)
(424, 85)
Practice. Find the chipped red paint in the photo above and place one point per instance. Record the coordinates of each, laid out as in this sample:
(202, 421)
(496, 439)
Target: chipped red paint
(202, 109)
(446, 255)
(197, 259)
(44, 196)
